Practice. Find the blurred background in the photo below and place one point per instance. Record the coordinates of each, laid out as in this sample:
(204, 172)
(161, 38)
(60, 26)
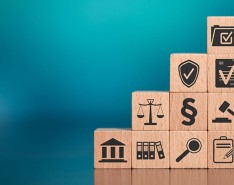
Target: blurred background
(68, 67)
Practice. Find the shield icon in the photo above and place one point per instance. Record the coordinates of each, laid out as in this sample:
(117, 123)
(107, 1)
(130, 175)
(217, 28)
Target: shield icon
(188, 71)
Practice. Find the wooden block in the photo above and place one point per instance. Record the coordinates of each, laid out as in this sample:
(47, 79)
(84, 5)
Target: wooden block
(220, 149)
(188, 73)
(221, 73)
(188, 111)
(188, 177)
(220, 115)
(220, 37)
(192, 143)
(220, 176)
(112, 148)
(150, 110)
(150, 176)
(112, 176)
(150, 149)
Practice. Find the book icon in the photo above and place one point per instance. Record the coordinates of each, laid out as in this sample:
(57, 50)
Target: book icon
(147, 150)
(160, 150)
(151, 150)
(223, 150)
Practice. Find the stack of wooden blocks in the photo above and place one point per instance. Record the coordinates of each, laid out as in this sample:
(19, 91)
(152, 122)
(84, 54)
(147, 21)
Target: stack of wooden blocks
(192, 126)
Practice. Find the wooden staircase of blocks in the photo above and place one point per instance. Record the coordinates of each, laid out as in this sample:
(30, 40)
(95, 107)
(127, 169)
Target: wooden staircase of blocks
(192, 126)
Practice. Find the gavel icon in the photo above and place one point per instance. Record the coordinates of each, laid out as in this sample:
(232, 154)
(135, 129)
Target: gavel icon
(225, 107)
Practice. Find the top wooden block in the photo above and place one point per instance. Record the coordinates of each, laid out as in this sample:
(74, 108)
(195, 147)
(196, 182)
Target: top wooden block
(220, 36)
(188, 73)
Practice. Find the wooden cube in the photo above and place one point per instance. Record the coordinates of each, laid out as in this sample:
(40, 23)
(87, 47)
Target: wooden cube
(220, 149)
(150, 176)
(220, 37)
(221, 73)
(220, 176)
(112, 148)
(150, 149)
(188, 149)
(188, 177)
(112, 176)
(188, 73)
(220, 115)
(150, 110)
(188, 111)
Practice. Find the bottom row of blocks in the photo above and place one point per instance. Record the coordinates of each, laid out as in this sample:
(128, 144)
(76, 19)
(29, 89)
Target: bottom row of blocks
(122, 148)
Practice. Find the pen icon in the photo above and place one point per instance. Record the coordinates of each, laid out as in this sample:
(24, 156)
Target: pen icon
(228, 154)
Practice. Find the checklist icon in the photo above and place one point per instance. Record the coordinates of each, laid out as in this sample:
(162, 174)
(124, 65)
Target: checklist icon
(224, 73)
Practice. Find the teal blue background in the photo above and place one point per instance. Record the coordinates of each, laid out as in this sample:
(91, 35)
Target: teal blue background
(69, 66)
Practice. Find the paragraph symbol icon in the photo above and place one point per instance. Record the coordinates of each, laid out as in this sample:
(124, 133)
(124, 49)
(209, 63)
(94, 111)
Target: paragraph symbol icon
(189, 112)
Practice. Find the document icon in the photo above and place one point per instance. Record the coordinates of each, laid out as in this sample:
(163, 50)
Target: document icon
(223, 150)
(222, 35)
(224, 73)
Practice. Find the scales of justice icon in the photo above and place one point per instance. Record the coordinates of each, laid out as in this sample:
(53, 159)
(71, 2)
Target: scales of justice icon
(140, 113)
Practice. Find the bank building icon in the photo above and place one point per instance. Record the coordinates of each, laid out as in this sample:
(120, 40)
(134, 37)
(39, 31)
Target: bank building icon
(113, 151)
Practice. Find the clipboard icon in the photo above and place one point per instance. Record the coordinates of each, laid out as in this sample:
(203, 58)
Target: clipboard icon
(223, 150)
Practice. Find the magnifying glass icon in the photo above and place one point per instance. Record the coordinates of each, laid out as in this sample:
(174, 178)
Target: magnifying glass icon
(193, 146)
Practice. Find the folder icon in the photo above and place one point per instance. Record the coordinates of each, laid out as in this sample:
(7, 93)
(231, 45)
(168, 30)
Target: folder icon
(145, 150)
(160, 151)
(139, 150)
(222, 35)
(221, 147)
(152, 150)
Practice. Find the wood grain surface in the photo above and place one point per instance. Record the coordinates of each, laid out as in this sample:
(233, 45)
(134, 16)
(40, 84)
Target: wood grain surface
(176, 84)
(179, 143)
(177, 118)
(150, 136)
(215, 101)
(219, 21)
(218, 149)
(160, 114)
(103, 135)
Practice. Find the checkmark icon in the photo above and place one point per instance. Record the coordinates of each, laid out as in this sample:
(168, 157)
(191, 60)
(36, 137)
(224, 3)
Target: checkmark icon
(226, 38)
(187, 76)
(226, 79)
(188, 71)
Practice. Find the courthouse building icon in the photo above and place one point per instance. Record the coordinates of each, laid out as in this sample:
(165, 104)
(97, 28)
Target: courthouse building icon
(113, 151)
